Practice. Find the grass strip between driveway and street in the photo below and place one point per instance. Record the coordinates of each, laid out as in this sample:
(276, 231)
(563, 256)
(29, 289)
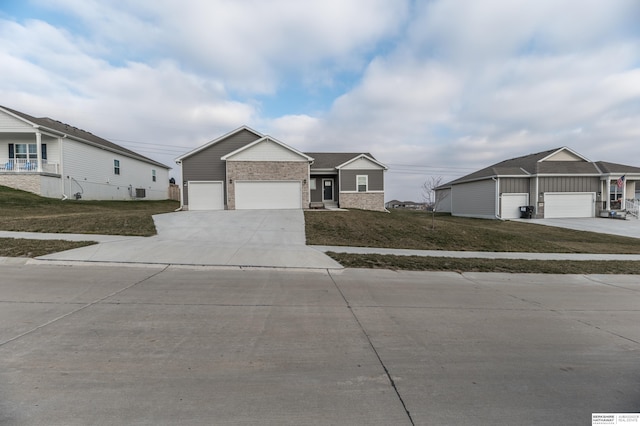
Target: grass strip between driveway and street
(421, 263)
(21, 247)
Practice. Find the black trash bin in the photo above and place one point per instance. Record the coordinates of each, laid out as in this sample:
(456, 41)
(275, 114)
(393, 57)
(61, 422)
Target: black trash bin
(526, 212)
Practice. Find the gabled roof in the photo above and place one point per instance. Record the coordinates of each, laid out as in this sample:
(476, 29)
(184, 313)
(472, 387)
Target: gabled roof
(336, 160)
(46, 123)
(265, 139)
(330, 160)
(532, 164)
(216, 140)
(362, 156)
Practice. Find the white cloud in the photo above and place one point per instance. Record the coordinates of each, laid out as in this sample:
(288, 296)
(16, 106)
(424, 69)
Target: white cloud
(451, 85)
(250, 44)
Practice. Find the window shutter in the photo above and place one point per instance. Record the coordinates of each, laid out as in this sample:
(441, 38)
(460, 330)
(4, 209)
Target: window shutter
(12, 154)
(44, 151)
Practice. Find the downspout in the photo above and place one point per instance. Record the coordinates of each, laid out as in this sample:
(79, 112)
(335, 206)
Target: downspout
(181, 186)
(60, 141)
(536, 195)
(496, 210)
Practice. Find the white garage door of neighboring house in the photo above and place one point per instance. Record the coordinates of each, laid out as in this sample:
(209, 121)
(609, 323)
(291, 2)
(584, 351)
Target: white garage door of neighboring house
(511, 203)
(206, 195)
(268, 195)
(569, 204)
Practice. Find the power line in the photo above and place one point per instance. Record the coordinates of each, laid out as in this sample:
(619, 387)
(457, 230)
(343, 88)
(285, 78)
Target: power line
(428, 166)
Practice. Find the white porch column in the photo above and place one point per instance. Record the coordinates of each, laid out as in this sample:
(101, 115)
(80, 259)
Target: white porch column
(607, 193)
(624, 195)
(39, 150)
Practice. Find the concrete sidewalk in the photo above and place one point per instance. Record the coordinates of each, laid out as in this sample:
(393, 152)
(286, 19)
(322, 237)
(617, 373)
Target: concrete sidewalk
(275, 238)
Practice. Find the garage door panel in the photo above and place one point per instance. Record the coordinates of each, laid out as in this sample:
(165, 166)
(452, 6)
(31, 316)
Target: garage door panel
(206, 195)
(268, 195)
(511, 203)
(569, 205)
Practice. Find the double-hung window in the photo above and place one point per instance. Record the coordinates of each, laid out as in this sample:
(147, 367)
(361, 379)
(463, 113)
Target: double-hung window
(153, 175)
(362, 182)
(116, 167)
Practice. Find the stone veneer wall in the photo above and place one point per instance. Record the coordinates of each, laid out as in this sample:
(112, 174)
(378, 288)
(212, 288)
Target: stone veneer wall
(265, 171)
(24, 182)
(362, 200)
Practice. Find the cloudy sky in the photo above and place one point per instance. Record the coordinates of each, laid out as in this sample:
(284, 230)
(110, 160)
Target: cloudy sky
(429, 87)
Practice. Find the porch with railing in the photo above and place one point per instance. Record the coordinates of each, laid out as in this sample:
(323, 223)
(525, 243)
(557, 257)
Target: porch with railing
(20, 165)
(632, 206)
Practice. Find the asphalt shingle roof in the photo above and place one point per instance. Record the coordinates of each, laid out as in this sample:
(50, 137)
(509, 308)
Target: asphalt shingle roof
(72, 131)
(531, 165)
(330, 160)
(616, 168)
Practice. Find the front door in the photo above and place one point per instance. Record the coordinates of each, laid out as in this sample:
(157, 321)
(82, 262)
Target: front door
(327, 189)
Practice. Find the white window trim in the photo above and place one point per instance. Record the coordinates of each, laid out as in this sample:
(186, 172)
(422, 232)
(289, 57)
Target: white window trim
(366, 183)
(312, 184)
(116, 167)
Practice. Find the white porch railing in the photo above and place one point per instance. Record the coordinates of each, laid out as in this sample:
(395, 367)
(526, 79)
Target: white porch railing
(632, 207)
(20, 165)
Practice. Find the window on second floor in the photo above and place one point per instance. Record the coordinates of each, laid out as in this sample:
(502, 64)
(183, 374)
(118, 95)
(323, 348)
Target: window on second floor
(116, 167)
(153, 175)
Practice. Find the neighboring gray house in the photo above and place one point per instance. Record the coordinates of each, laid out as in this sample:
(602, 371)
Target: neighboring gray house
(559, 183)
(56, 160)
(245, 169)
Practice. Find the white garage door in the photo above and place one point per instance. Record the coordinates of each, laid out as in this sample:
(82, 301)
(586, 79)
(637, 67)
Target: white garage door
(569, 204)
(206, 195)
(511, 203)
(268, 195)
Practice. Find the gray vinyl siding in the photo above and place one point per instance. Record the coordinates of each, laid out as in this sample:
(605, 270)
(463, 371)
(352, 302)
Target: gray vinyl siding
(206, 164)
(514, 185)
(474, 199)
(444, 200)
(569, 184)
(348, 179)
(316, 195)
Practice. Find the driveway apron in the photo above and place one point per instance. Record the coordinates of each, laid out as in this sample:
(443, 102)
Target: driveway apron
(262, 238)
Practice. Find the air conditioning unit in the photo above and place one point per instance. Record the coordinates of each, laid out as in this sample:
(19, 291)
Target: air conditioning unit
(141, 192)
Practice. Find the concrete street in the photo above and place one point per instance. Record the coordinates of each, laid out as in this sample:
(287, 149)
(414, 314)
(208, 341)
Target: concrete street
(156, 345)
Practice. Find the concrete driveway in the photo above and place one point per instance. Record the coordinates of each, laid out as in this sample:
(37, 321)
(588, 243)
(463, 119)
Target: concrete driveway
(625, 228)
(265, 238)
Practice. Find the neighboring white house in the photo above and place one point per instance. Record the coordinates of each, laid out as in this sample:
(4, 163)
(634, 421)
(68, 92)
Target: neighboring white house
(56, 160)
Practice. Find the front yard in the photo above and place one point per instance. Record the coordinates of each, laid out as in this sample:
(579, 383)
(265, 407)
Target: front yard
(410, 229)
(21, 211)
